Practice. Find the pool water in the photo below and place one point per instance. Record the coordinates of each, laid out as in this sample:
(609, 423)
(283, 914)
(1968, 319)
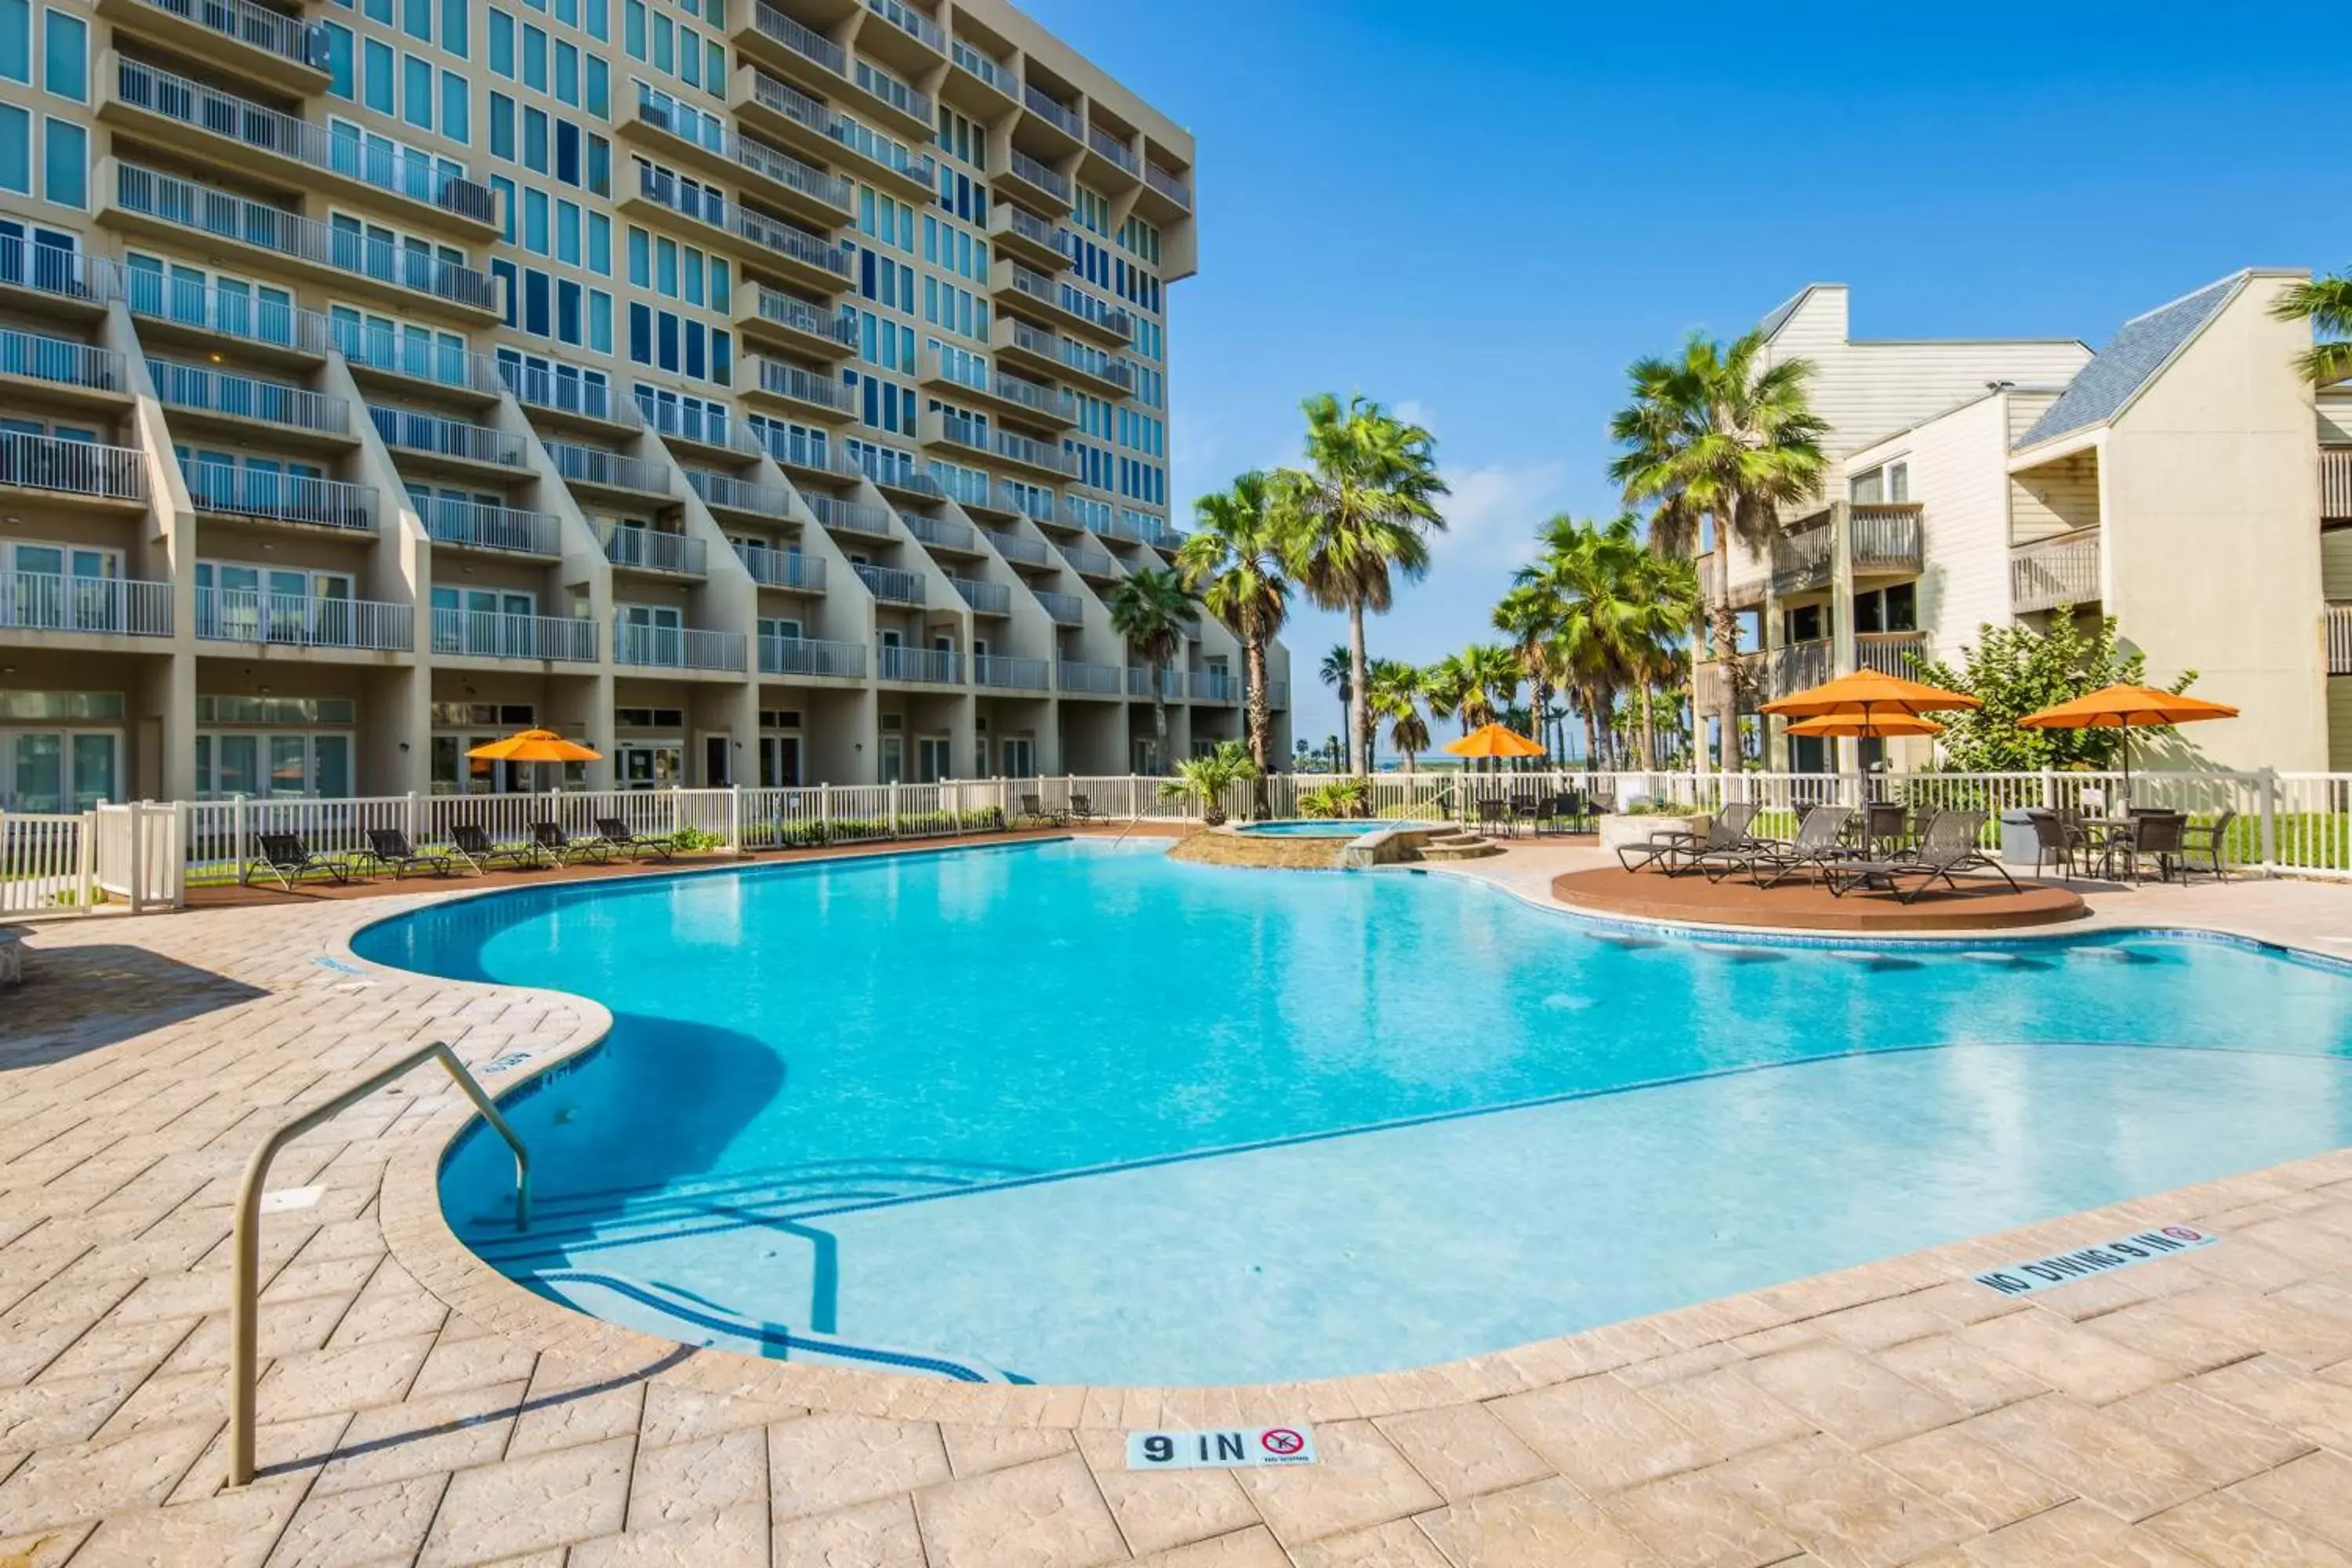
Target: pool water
(1074, 1112)
(1332, 829)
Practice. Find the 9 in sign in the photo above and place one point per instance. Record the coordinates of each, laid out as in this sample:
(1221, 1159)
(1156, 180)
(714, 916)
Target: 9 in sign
(1231, 1448)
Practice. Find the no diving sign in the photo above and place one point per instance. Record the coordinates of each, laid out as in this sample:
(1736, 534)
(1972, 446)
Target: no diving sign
(1231, 1448)
(2064, 1268)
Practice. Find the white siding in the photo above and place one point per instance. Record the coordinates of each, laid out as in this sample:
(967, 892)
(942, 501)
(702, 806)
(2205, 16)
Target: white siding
(1956, 472)
(2336, 417)
(2055, 498)
(2336, 565)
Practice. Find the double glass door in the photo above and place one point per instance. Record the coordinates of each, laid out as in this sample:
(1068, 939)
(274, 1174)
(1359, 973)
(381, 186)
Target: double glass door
(281, 765)
(274, 605)
(652, 634)
(59, 770)
(493, 622)
(780, 761)
(58, 587)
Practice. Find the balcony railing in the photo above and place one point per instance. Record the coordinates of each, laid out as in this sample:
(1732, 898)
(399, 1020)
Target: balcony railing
(1101, 679)
(416, 356)
(986, 70)
(436, 434)
(1020, 674)
(449, 520)
(779, 379)
(2339, 639)
(233, 312)
(55, 270)
(1801, 559)
(1067, 609)
(906, 99)
(1051, 401)
(912, 22)
(738, 495)
(1213, 686)
(1104, 366)
(781, 568)
(1036, 454)
(200, 389)
(1140, 683)
(890, 585)
(711, 134)
(224, 216)
(281, 496)
(676, 647)
(1798, 667)
(931, 666)
(2335, 483)
(809, 656)
(987, 598)
(1052, 110)
(596, 466)
(786, 239)
(72, 467)
(1087, 561)
(1889, 653)
(785, 310)
(1884, 537)
(1113, 148)
(1030, 227)
(892, 472)
(1168, 186)
(395, 170)
(851, 516)
(63, 361)
(700, 423)
(809, 45)
(2063, 570)
(1051, 181)
(274, 32)
(483, 634)
(1112, 319)
(650, 549)
(1278, 694)
(1012, 547)
(298, 620)
(117, 606)
(548, 387)
(782, 98)
(938, 531)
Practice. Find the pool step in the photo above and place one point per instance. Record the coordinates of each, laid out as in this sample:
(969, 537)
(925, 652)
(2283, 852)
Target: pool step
(1459, 845)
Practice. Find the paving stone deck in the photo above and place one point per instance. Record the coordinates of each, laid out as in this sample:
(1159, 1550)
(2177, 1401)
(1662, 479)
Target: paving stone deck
(418, 1408)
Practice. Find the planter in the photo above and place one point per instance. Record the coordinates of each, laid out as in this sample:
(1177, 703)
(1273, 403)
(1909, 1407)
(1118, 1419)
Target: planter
(1618, 831)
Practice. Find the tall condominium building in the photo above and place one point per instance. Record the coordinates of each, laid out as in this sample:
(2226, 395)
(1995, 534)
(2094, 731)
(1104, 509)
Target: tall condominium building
(2185, 478)
(764, 392)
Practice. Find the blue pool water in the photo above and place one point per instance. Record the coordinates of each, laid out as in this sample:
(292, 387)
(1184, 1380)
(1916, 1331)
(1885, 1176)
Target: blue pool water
(1333, 829)
(1075, 1112)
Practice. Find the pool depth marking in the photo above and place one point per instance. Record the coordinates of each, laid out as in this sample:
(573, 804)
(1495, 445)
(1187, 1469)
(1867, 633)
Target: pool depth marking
(1225, 1449)
(2066, 1267)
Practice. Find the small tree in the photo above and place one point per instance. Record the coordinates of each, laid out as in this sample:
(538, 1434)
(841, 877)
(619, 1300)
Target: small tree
(1204, 781)
(2016, 670)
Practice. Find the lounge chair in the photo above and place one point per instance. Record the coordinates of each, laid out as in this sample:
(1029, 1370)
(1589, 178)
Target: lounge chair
(285, 856)
(1033, 809)
(1082, 809)
(1949, 849)
(550, 840)
(1726, 833)
(614, 834)
(389, 848)
(474, 846)
(1818, 845)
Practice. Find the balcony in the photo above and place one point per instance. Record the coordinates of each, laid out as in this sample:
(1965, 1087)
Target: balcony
(1802, 559)
(1889, 653)
(910, 22)
(1176, 193)
(271, 497)
(1014, 547)
(809, 394)
(804, 451)
(1169, 686)
(1093, 364)
(1024, 179)
(2063, 570)
(1016, 231)
(681, 134)
(725, 492)
(184, 308)
(898, 474)
(1065, 609)
(1115, 151)
(90, 607)
(905, 108)
(1093, 679)
(296, 620)
(54, 278)
(787, 569)
(2339, 639)
(1049, 110)
(1025, 501)
(219, 395)
(2335, 484)
(342, 258)
(163, 108)
(70, 372)
(374, 355)
(1885, 539)
(642, 549)
(805, 258)
(922, 666)
(600, 469)
(983, 599)
(941, 533)
(445, 442)
(1038, 456)
(1714, 679)
(707, 427)
(1278, 694)
(973, 381)
(1012, 674)
(475, 525)
(116, 474)
(983, 68)
(855, 519)
(801, 53)
(1798, 667)
(1088, 561)
(481, 634)
(798, 325)
(252, 42)
(563, 394)
(1213, 686)
(808, 656)
(889, 584)
(676, 647)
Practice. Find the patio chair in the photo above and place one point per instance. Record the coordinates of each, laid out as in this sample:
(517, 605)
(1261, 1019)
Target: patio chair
(1082, 809)
(2159, 835)
(1529, 809)
(388, 848)
(2055, 844)
(550, 840)
(2208, 841)
(1569, 808)
(1496, 814)
(1885, 822)
(473, 843)
(1817, 845)
(616, 836)
(285, 856)
(1726, 834)
(1033, 809)
(1949, 849)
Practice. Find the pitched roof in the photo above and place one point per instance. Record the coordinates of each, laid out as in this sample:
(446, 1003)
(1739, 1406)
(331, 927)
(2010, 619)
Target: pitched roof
(2141, 347)
(1787, 308)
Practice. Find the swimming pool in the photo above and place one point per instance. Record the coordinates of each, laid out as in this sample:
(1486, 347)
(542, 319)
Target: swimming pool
(1322, 829)
(1074, 1112)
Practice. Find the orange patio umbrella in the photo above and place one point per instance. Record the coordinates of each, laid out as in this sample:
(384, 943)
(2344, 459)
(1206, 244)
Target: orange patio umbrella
(2124, 708)
(1494, 741)
(535, 746)
(1861, 726)
(1867, 694)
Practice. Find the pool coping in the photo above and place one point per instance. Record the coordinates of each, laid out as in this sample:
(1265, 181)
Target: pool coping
(421, 1240)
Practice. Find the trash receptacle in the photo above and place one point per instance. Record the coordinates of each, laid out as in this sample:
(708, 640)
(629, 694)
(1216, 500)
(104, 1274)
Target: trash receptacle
(2017, 845)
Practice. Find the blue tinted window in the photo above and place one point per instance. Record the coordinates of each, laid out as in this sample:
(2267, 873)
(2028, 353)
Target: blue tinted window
(380, 88)
(641, 333)
(534, 302)
(567, 152)
(454, 36)
(502, 44)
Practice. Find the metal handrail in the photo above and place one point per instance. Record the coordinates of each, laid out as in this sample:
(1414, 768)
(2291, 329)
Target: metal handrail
(1046, 178)
(244, 1303)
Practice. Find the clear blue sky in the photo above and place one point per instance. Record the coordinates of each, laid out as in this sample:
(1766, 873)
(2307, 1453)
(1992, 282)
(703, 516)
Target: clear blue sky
(1483, 221)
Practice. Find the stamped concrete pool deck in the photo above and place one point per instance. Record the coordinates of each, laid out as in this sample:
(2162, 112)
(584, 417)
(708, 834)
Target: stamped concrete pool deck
(417, 1407)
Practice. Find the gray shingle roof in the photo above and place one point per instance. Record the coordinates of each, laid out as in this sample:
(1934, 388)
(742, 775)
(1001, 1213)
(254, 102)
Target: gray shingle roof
(1774, 323)
(2117, 372)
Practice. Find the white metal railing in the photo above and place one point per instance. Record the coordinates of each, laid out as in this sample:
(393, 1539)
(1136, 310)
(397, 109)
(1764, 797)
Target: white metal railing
(482, 526)
(2335, 482)
(72, 467)
(1036, 454)
(1100, 679)
(1030, 337)
(49, 602)
(1012, 547)
(55, 270)
(927, 666)
(1036, 230)
(789, 239)
(889, 583)
(1213, 686)
(1029, 500)
(651, 549)
(779, 379)
(1277, 693)
(676, 647)
(1066, 610)
(417, 356)
(806, 42)
(561, 390)
(1051, 110)
(891, 470)
(710, 133)
(199, 388)
(39, 357)
(597, 466)
(222, 215)
(1087, 561)
(939, 531)
(1100, 363)
(273, 32)
(784, 98)
(781, 568)
(397, 170)
(729, 493)
(2339, 639)
(1051, 402)
(811, 656)
(438, 434)
(1022, 674)
(1113, 148)
(1890, 653)
(281, 496)
(1140, 683)
(1051, 181)
(860, 518)
(1884, 537)
(1168, 186)
(233, 312)
(700, 424)
(2063, 570)
(982, 66)
(483, 634)
(912, 22)
(302, 620)
(898, 94)
(987, 598)
(789, 311)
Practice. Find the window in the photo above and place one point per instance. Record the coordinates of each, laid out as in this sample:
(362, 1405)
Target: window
(65, 162)
(503, 127)
(456, 121)
(534, 57)
(640, 257)
(16, 40)
(416, 91)
(641, 333)
(600, 20)
(600, 321)
(600, 245)
(567, 74)
(600, 88)
(534, 140)
(64, 69)
(1893, 609)
(417, 19)
(339, 61)
(504, 189)
(453, 28)
(502, 44)
(380, 88)
(534, 222)
(15, 149)
(632, 26)
(567, 232)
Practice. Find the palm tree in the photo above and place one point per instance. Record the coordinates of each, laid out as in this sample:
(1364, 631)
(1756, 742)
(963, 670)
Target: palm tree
(2327, 302)
(1528, 615)
(1152, 609)
(1396, 697)
(1444, 685)
(1364, 508)
(1497, 670)
(1720, 432)
(1206, 781)
(1233, 558)
(1336, 671)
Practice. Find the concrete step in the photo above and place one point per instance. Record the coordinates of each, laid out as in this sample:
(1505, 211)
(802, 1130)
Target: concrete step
(1468, 846)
